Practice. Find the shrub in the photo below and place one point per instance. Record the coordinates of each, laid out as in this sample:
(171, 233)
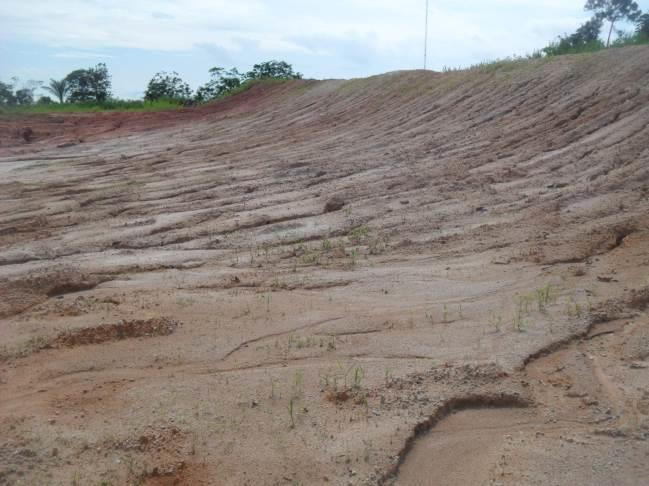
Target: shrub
(585, 39)
(221, 82)
(90, 85)
(167, 86)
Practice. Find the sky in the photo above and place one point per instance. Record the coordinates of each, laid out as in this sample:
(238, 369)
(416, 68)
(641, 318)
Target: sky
(42, 39)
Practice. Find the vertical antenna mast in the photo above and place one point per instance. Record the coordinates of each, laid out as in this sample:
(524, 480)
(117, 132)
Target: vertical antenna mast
(426, 39)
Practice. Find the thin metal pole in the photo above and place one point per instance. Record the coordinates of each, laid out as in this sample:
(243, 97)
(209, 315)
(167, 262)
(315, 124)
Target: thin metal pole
(426, 39)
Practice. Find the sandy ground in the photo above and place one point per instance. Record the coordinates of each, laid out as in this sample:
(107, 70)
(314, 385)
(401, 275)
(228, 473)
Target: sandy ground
(412, 279)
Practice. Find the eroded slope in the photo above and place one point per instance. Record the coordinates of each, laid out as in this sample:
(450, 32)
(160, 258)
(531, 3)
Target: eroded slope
(344, 264)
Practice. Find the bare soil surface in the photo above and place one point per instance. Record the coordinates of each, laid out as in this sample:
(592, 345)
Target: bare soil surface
(413, 279)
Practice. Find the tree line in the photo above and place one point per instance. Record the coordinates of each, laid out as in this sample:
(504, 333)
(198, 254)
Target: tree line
(170, 86)
(588, 36)
(93, 85)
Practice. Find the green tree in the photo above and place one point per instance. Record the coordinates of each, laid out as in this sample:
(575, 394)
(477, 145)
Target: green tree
(24, 96)
(273, 69)
(11, 94)
(7, 97)
(585, 38)
(58, 88)
(587, 33)
(614, 11)
(220, 83)
(642, 26)
(167, 85)
(90, 85)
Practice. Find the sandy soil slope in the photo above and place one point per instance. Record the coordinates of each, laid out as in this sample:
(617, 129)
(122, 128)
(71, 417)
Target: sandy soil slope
(410, 279)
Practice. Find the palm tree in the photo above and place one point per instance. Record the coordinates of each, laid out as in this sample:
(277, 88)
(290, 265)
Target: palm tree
(58, 88)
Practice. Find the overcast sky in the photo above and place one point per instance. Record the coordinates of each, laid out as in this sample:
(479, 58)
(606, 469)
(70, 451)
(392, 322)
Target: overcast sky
(40, 39)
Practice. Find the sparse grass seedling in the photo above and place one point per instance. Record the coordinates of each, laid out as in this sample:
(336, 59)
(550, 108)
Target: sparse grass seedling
(577, 309)
(353, 256)
(359, 373)
(291, 411)
(331, 345)
(543, 297)
(496, 320)
(185, 301)
(272, 389)
(358, 234)
(388, 377)
(367, 453)
(298, 383)
(519, 313)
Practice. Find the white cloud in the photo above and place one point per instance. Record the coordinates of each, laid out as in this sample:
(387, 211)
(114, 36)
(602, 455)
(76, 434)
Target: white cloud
(181, 24)
(332, 38)
(81, 55)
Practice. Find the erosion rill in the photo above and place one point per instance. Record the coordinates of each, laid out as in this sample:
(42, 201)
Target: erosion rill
(415, 278)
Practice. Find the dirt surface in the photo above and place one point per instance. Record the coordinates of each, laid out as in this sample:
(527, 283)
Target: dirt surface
(411, 279)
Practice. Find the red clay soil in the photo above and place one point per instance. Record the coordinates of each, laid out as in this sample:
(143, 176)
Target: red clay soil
(415, 278)
(68, 129)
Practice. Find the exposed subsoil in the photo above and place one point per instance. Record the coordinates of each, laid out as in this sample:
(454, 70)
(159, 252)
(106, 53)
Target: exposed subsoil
(413, 279)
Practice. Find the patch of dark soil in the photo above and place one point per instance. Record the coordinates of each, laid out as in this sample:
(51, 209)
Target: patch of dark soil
(176, 474)
(20, 294)
(115, 332)
(608, 311)
(71, 287)
(620, 233)
(27, 134)
(316, 285)
(339, 397)
(148, 440)
(336, 203)
(639, 299)
(92, 335)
